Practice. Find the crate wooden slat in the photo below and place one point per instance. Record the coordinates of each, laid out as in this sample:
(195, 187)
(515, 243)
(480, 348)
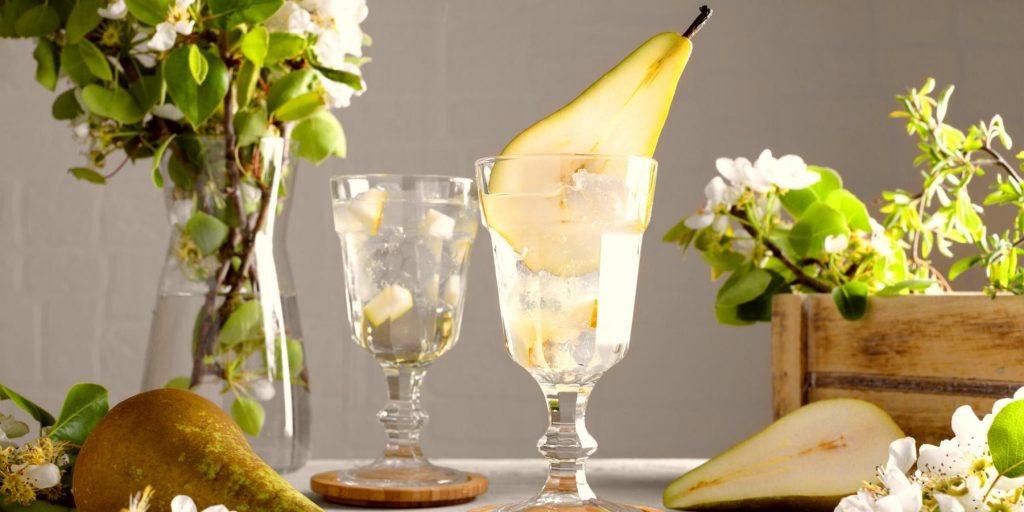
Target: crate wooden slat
(917, 357)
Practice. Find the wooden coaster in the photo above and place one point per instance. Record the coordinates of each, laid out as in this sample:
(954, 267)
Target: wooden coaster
(328, 486)
(489, 508)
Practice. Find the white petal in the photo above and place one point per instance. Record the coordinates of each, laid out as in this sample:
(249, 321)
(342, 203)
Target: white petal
(836, 243)
(42, 476)
(262, 389)
(902, 454)
(907, 499)
(716, 190)
(857, 503)
(727, 169)
(183, 503)
(114, 10)
(183, 4)
(164, 37)
(699, 220)
(216, 508)
(168, 111)
(948, 503)
(184, 27)
(339, 95)
(720, 223)
(765, 160)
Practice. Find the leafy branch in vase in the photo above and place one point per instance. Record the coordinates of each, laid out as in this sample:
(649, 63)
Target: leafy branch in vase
(207, 89)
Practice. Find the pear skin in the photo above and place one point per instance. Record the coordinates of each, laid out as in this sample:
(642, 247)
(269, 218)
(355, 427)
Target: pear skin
(179, 443)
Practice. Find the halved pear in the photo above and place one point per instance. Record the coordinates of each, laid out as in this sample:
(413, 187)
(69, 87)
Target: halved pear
(806, 461)
(621, 114)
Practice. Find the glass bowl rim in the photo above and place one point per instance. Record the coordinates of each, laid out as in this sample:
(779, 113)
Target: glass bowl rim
(337, 178)
(480, 162)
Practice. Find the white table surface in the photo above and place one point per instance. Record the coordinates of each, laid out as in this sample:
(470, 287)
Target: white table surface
(635, 481)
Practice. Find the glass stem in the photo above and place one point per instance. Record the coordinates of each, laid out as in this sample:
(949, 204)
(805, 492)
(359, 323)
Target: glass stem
(567, 445)
(403, 418)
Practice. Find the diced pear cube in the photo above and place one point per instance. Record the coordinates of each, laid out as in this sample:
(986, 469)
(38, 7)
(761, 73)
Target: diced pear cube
(364, 212)
(439, 225)
(389, 305)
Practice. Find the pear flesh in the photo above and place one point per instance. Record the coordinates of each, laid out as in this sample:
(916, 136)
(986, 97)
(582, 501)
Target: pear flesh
(621, 115)
(805, 461)
(179, 443)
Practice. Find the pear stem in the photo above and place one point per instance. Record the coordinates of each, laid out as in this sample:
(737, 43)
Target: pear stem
(702, 18)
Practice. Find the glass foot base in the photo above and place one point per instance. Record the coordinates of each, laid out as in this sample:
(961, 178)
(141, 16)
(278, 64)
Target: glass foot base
(562, 503)
(401, 472)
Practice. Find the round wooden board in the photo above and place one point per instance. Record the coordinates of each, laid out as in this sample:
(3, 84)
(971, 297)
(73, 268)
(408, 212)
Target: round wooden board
(489, 508)
(327, 485)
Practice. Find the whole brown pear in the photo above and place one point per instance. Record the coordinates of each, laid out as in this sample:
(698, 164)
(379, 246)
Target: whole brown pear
(179, 443)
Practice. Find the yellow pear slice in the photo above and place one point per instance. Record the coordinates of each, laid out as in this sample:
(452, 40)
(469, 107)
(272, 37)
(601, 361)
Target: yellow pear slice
(389, 305)
(806, 461)
(621, 114)
(363, 213)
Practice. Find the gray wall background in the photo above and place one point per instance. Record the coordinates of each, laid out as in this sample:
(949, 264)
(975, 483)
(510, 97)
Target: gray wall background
(451, 81)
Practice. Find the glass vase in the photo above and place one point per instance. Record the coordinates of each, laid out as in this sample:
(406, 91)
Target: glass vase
(226, 323)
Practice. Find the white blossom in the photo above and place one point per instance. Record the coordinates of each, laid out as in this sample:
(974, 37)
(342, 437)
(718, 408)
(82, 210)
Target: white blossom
(291, 17)
(178, 21)
(185, 504)
(262, 390)
(742, 174)
(80, 128)
(880, 242)
(836, 243)
(789, 172)
(699, 220)
(114, 10)
(39, 476)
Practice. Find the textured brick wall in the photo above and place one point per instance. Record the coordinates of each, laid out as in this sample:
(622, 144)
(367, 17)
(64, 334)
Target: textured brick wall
(452, 80)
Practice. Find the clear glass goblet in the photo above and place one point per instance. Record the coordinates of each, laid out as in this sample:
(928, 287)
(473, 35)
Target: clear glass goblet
(405, 244)
(566, 231)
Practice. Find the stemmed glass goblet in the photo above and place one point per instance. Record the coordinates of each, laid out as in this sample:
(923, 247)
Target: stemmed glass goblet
(405, 244)
(566, 231)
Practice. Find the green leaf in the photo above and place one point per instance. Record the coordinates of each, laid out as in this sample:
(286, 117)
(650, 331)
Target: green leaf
(914, 285)
(44, 418)
(760, 309)
(179, 383)
(149, 91)
(248, 414)
(851, 299)
(963, 265)
(117, 103)
(296, 358)
(250, 125)
(73, 64)
(796, 201)
(350, 79)
(94, 60)
(207, 231)
(289, 86)
(856, 214)
(257, 11)
(319, 136)
(47, 63)
(245, 85)
(300, 107)
(244, 323)
(197, 102)
(150, 12)
(10, 12)
(255, 45)
(84, 407)
(66, 106)
(729, 315)
(87, 174)
(283, 46)
(1006, 440)
(807, 238)
(83, 19)
(41, 20)
(158, 156)
(197, 64)
(743, 285)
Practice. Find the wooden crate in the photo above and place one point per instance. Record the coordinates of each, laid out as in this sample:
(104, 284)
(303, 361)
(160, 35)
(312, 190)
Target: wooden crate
(918, 357)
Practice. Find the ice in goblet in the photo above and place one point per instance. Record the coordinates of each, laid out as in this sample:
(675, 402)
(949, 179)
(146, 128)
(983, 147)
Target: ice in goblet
(566, 231)
(405, 244)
